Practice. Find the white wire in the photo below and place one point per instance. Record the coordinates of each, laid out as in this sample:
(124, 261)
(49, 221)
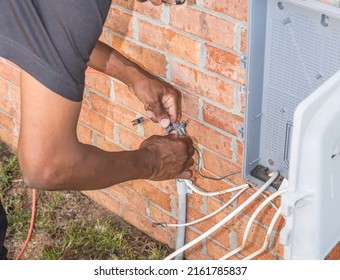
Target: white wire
(191, 185)
(226, 219)
(250, 222)
(267, 238)
(211, 214)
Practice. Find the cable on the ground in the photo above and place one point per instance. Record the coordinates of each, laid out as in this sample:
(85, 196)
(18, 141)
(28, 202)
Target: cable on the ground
(34, 200)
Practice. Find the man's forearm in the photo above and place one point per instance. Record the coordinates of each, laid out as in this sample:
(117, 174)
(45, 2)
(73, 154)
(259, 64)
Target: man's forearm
(109, 61)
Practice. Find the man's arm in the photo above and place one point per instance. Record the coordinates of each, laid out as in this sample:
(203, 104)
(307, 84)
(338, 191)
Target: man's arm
(52, 158)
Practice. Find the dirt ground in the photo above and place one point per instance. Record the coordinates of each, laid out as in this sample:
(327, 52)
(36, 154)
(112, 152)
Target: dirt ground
(57, 212)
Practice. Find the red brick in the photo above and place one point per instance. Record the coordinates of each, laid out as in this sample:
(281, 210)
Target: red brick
(97, 122)
(169, 41)
(9, 138)
(221, 119)
(10, 73)
(129, 139)
(105, 36)
(213, 186)
(334, 254)
(239, 152)
(168, 186)
(203, 84)
(84, 134)
(120, 22)
(7, 122)
(4, 88)
(151, 192)
(225, 64)
(195, 201)
(159, 216)
(244, 37)
(215, 251)
(97, 81)
(152, 61)
(104, 200)
(15, 93)
(243, 103)
(190, 104)
(106, 144)
(210, 138)
(146, 8)
(126, 196)
(145, 225)
(206, 26)
(237, 9)
(125, 97)
(10, 108)
(251, 248)
(194, 252)
(151, 128)
(220, 167)
(112, 111)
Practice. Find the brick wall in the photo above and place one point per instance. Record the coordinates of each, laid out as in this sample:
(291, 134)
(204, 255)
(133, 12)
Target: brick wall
(198, 48)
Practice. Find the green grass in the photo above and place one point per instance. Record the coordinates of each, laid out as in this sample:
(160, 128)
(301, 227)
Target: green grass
(67, 231)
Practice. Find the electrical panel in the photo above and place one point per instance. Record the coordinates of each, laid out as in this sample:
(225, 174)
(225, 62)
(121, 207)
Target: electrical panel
(292, 118)
(293, 48)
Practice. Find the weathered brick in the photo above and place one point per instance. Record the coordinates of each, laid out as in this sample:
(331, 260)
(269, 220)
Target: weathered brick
(190, 104)
(129, 139)
(237, 9)
(159, 216)
(97, 122)
(11, 108)
(10, 72)
(106, 144)
(150, 192)
(120, 22)
(6, 121)
(203, 84)
(104, 200)
(9, 138)
(153, 61)
(4, 88)
(220, 166)
(125, 97)
(221, 118)
(84, 134)
(97, 81)
(244, 37)
(225, 64)
(126, 196)
(215, 251)
(210, 138)
(204, 25)
(169, 41)
(145, 225)
(112, 111)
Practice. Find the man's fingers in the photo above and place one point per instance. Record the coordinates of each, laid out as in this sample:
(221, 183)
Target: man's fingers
(186, 174)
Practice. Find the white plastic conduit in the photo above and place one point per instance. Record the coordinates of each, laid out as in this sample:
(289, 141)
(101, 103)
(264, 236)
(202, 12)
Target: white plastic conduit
(226, 219)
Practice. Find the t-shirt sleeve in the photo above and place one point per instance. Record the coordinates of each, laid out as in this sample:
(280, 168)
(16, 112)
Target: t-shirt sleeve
(52, 40)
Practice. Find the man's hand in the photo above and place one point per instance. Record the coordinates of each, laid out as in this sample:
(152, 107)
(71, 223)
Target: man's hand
(169, 157)
(159, 98)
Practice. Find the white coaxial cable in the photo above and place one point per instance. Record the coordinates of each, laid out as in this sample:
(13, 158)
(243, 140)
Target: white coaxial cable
(250, 222)
(207, 216)
(191, 185)
(267, 238)
(226, 219)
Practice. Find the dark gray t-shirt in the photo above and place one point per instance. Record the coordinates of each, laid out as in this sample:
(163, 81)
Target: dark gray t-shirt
(52, 39)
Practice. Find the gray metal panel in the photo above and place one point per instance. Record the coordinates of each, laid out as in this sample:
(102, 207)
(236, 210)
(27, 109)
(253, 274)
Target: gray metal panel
(301, 43)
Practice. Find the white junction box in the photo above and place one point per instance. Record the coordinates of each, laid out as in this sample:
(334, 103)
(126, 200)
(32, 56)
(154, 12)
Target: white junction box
(292, 119)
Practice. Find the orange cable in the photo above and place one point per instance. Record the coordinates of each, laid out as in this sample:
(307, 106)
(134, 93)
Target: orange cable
(34, 199)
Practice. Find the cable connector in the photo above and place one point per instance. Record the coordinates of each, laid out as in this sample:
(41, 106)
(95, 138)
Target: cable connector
(179, 126)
